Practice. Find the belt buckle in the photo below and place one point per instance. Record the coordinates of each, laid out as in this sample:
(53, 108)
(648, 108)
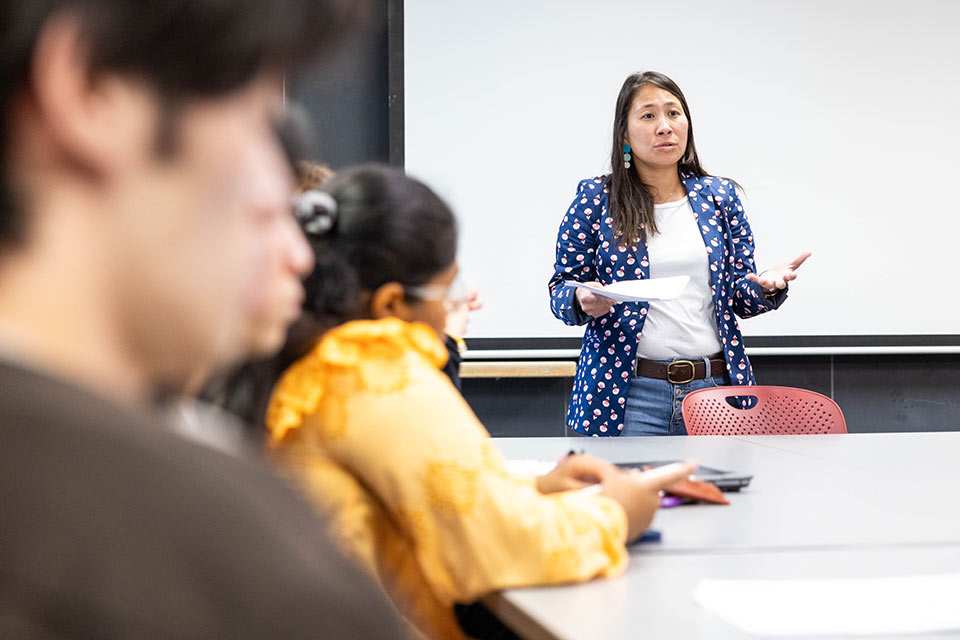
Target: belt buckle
(689, 363)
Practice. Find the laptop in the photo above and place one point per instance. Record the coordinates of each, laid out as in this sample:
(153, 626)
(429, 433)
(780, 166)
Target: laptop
(725, 480)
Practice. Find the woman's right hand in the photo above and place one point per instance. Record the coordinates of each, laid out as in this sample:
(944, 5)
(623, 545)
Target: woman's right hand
(639, 492)
(593, 304)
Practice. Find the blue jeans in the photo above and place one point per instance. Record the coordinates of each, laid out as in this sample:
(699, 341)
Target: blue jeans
(653, 406)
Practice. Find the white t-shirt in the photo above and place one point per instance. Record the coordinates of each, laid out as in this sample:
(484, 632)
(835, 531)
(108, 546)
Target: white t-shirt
(685, 327)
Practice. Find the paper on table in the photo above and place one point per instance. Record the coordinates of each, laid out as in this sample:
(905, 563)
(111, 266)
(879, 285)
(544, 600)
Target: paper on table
(637, 290)
(540, 467)
(861, 606)
(529, 467)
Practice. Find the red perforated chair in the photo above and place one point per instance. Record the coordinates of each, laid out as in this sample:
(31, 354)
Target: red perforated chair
(773, 411)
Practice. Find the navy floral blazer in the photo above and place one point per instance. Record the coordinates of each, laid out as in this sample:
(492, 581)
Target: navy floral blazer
(587, 251)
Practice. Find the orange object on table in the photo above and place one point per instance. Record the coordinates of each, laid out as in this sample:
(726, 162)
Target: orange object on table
(696, 490)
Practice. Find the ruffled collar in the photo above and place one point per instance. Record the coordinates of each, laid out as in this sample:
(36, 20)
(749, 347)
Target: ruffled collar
(376, 350)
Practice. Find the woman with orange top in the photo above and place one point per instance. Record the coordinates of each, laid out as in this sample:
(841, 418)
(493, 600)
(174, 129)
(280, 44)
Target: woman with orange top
(389, 450)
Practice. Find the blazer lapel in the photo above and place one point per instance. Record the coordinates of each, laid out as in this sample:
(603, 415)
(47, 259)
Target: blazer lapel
(710, 223)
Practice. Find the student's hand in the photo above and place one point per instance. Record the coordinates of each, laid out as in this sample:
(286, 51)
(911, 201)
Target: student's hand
(457, 317)
(576, 471)
(456, 324)
(593, 304)
(775, 279)
(639, 492)
(473, 299)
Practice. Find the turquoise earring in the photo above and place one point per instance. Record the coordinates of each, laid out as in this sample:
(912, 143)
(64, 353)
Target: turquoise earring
(626, 156)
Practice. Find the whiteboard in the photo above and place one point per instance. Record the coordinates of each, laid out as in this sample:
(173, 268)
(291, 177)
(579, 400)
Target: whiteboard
(841, 118)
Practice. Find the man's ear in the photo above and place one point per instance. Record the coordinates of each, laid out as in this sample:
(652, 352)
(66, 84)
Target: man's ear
(389, 301)
(99, 122)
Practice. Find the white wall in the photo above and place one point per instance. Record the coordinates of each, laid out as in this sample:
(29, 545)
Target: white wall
(841, 118)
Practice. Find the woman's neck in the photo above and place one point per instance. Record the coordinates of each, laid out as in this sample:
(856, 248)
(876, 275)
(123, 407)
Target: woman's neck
(664, 182)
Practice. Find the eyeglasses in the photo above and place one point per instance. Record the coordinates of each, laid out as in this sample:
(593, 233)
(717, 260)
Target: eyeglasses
(453, 296)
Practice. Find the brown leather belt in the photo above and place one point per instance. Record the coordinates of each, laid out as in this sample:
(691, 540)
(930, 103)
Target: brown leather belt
(681, 371)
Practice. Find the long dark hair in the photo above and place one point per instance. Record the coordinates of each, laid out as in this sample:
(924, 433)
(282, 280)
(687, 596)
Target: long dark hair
(380, 226)
(631, 203)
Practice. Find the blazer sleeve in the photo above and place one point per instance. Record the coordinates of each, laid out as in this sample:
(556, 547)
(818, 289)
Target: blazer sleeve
(576, 254)
(748, 298)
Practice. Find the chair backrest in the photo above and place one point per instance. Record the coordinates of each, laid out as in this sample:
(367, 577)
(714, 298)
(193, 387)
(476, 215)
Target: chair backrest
(773, 411)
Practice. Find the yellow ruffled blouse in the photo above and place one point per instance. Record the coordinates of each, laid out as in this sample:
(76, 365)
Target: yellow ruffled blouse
(412, 486)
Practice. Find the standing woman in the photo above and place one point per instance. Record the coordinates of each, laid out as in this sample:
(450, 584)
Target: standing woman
(658, 214)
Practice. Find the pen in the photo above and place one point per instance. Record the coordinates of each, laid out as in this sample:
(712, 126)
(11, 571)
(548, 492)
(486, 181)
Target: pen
(650, 535)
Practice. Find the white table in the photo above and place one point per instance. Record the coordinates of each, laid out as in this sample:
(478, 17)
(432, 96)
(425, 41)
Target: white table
(857, 505)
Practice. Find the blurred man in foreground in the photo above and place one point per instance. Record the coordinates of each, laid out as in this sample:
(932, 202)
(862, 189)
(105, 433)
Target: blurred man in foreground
(138, 152)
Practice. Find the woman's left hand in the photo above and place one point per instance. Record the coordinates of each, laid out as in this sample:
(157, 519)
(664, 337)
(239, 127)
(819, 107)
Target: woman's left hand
(473, 299)
(576, 471)
(457, 319)
(774, 279)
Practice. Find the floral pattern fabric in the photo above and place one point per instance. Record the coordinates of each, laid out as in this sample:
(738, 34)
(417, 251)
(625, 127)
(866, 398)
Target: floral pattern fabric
(413, 487)
(587, 250)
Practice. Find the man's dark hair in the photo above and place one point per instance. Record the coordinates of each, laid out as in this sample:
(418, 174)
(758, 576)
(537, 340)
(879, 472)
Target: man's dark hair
(184, 49)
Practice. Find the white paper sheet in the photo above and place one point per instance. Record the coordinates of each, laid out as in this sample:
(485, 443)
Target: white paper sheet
(862, 606)
(637, 290)
(530, 467)
(541, 467)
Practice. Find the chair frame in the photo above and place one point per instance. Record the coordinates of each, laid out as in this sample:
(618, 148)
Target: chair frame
(778, 411)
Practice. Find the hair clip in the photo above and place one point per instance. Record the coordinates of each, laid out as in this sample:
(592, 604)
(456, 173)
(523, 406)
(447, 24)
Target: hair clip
(316, 211)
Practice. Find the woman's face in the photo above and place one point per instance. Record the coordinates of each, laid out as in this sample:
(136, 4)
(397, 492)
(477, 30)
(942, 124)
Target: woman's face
(433, 311)
(428, 303)
(656, 128)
